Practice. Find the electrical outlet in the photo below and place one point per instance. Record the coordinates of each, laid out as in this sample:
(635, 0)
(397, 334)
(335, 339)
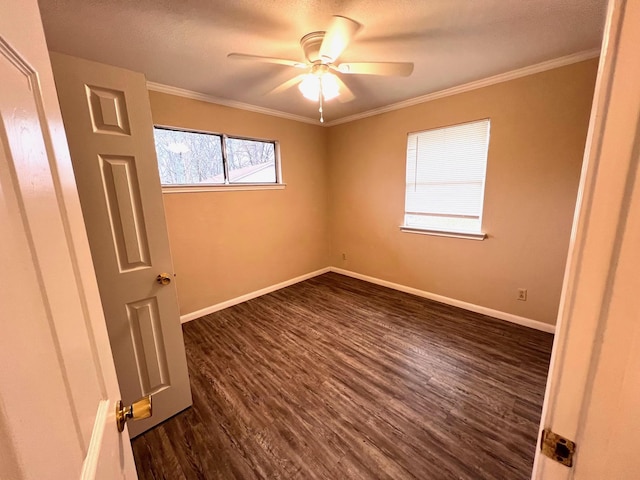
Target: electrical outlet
(522, 294)
(344, 256)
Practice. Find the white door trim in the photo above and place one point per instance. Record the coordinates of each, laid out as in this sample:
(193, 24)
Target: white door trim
(599, 227)
(91, 461)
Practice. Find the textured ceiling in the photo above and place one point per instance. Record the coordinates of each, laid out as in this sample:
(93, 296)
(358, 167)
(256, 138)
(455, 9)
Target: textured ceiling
(451, 42)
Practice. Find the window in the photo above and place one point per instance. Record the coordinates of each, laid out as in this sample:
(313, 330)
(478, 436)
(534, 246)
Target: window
(187, 158)
(446, 170)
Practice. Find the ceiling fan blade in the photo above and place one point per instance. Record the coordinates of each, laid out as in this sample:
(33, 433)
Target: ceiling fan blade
(346, 95)
(399, 69)
(258, 58)
(286, 85)
(337, 37)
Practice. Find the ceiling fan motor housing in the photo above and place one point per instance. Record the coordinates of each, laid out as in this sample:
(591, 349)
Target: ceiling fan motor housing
(310, 44)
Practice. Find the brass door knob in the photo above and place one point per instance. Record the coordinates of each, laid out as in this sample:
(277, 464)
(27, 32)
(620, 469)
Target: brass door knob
(163, 279)
(137, 411)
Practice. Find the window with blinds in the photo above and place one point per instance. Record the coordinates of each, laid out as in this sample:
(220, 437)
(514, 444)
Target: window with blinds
(446, 170)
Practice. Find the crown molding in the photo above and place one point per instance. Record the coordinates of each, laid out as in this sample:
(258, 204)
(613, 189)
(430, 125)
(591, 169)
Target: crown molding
(467, 87)
(182, 92)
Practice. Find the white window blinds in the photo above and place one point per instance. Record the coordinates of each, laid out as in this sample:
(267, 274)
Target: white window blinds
(446, 170)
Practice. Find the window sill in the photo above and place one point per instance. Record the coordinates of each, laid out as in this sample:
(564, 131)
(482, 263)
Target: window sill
(222, 188)
(444, 233)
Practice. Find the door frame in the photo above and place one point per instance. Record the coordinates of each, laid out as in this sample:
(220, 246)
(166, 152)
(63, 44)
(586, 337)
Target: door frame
(599, 228)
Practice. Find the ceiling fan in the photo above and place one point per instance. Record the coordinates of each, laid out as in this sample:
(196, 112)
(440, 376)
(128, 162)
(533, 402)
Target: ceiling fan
(321, 50)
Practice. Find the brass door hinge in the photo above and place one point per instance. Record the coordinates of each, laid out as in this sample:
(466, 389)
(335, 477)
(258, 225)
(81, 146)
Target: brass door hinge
(557, 448)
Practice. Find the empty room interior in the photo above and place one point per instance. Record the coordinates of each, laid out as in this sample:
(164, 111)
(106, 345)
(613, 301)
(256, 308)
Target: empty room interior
(330, 239)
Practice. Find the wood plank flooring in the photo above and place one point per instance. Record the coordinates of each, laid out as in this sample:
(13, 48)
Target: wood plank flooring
(335, 378)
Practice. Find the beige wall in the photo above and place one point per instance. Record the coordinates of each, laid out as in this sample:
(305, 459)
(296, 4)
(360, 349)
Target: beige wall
(345, 194)
(538, 131)
(226, 244)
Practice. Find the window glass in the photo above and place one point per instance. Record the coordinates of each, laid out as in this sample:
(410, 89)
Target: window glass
(189, 158)
(198, 158)
(251, 161)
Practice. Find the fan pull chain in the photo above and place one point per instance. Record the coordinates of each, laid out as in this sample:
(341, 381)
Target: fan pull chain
(320, 99)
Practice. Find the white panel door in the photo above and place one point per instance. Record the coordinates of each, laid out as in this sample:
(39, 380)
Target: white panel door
(107, 117)
(58, 387)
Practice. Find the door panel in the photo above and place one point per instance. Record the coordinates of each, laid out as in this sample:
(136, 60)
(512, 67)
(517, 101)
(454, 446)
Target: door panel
(57, 381)
(107, 116)
(148, 344)
(124, 206)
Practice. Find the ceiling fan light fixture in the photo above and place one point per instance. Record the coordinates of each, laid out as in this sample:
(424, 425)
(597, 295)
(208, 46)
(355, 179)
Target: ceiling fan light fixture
(312, 85)
(330, 87)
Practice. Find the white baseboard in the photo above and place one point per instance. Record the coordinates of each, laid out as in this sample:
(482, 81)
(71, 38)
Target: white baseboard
(248, 296)
(509, 317)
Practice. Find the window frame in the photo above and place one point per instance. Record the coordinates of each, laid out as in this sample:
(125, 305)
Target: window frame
(227, 186)
(445, 232)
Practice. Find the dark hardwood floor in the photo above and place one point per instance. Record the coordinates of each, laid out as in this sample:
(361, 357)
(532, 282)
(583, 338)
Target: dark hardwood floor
(335, 378)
